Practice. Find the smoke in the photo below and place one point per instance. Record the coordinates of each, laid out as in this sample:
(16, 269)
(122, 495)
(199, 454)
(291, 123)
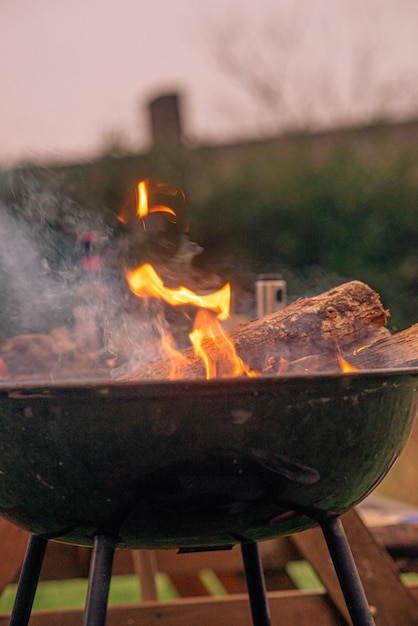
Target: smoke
(40, 229)
(45, 286)
(36, 265)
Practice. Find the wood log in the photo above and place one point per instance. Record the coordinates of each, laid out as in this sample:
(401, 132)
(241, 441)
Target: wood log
(349, 314)
(392, 351)
(395, 351)
(37, 353)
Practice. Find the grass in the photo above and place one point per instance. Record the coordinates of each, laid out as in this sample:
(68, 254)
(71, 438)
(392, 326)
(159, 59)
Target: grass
(71, 594)
(303, 575)
(305, 578)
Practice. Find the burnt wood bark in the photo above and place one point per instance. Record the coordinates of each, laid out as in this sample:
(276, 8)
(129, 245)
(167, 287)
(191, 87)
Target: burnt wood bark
(394, 351)
(347, 315)
(389, 352)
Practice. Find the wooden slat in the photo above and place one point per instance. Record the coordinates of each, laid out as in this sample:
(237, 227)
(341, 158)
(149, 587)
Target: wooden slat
(13, 548)
(392, 602)
(64, 561)
(401, 540)
(233, 583)
(293, 608)
(188, 585)
(274, 554)
(172, 562)
(145, 567)
(67, 561)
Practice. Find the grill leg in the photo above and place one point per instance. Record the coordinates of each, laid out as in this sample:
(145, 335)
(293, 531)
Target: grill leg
(255, 584)
(99, 580)
(347, 573)
(28, 581)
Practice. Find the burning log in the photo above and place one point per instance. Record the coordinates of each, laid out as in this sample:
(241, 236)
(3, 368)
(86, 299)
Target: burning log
(395, 351)
(389, 352)
(348, 315)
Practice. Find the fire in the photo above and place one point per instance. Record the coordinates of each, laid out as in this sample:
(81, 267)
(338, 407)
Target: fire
(142, 203)
(178, 360)
(145, 282)
(208, 331)
(142, 199)
(345, 366)
(144, 206)
(209, 341)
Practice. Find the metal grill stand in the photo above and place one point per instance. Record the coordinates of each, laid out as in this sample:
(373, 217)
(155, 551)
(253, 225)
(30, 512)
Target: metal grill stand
(255, 584)
(28, 581)
(347, 573)
(101, 571)
(99, 580)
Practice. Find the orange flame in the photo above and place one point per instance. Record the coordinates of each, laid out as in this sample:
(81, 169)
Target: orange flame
(142, 199)
(345, 366)
(224, 361)
(145, 282)
(210, 344)
(142, 203)
(221, 361)
(178, 360)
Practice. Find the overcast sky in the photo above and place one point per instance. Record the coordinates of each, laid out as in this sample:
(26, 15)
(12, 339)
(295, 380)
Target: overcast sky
(75, 72)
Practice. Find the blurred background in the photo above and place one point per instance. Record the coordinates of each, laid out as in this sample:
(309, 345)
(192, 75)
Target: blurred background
(292, 129)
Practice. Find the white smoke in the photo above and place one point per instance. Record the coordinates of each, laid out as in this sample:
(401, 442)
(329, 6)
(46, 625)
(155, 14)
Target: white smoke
(43, 287)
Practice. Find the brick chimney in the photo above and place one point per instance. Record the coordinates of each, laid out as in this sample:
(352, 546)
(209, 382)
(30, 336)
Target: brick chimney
(165, 120)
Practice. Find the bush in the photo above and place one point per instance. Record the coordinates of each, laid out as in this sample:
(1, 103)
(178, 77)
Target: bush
(341, 217)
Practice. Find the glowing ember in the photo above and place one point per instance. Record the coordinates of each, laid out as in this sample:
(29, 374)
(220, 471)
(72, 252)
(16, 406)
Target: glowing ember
(145, 282)
(355, 352)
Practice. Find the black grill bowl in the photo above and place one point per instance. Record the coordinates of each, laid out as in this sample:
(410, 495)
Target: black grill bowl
(201, 463)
